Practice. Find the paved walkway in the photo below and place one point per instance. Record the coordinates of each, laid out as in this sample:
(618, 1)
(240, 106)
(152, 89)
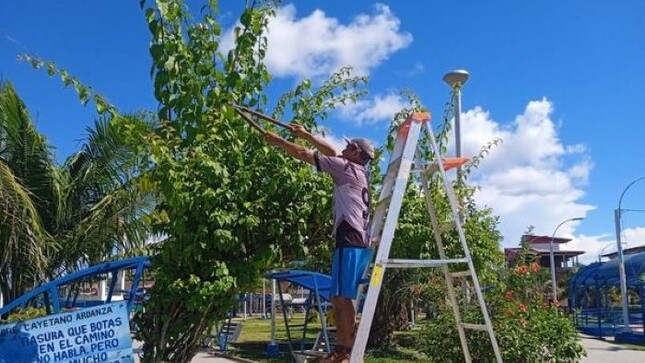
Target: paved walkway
(205, 357)
(201, 357)
(600, 351)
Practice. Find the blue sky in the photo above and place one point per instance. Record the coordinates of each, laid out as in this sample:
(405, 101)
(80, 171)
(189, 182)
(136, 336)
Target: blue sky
(561, 82)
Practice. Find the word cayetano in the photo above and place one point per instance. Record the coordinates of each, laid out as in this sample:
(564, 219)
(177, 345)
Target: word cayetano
(46, 323)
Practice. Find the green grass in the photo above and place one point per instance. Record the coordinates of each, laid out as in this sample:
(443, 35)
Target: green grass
(256, 334)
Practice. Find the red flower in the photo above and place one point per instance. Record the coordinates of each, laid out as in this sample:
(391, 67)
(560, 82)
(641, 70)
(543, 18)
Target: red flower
(416, 290)
(522, 270)
(523, 322)
(509, 313)
(535, 267)
(522, 308)
(434, 281)
(508, 295)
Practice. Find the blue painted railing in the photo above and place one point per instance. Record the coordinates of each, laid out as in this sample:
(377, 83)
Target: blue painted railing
(49, 291)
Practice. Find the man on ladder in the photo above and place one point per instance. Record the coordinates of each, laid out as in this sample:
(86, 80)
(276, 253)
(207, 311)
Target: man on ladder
(352, 252)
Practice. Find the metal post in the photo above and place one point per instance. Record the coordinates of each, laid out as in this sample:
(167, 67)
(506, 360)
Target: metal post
(621, 257)
(554, 290)
(272, 349)
(554, 284)
(456, 80)
(273, 313)
(621, 271)
(244, 301)
(264, 299)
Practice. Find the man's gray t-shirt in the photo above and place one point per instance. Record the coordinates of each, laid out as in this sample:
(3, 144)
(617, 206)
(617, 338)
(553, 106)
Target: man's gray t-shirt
(351, 197)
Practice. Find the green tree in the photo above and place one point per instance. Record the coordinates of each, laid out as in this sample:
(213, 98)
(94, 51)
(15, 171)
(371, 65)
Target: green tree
(27, 195)
(233, 206)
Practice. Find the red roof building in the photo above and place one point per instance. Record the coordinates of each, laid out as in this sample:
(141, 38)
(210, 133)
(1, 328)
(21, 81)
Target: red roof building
(564, 259)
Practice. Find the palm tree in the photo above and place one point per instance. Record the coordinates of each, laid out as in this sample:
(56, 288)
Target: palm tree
(55, 218)
(107, 200)
(28, 196)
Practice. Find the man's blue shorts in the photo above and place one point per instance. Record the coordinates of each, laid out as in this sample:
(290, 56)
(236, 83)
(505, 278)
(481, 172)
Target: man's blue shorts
(347, 268)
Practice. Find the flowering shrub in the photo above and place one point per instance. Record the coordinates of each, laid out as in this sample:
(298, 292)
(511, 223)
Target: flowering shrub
(528, 327)
(24, 314)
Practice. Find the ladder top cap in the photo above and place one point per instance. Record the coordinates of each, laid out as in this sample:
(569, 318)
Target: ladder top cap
(420, 117)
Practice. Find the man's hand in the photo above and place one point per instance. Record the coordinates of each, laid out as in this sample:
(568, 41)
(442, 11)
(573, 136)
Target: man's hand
(272, 138)
(299, 130)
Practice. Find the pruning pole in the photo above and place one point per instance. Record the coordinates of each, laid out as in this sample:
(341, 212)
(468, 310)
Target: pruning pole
(263, 116)
(249, 120)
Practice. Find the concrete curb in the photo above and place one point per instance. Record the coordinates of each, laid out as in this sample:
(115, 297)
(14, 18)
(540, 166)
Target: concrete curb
(233, 358)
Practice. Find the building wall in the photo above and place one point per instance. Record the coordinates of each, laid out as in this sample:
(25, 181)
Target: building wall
(545, 246)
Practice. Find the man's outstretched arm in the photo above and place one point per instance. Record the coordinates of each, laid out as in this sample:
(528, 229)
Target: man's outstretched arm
(290, 148)
(320, 144)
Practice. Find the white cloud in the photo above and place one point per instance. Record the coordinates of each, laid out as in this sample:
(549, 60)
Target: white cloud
(526, 179)
(317, 45)
(379, 108)
(606, 243)
(592, 245)
(634, 236)
(416, 69)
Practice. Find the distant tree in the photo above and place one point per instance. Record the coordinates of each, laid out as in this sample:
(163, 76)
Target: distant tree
(57, 218)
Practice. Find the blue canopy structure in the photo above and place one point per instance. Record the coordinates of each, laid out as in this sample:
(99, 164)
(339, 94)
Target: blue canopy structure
(319, 286)
(310, 280)
(593, 292)
(607, 273)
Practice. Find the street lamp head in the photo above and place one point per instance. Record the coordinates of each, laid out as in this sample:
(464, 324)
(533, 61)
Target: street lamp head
(456, 78)
(577, 219)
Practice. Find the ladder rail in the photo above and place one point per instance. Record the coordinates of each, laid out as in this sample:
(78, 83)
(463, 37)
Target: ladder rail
(383, 227)
(378, 220)
(462, 239)
(386, 237)
(452, 296)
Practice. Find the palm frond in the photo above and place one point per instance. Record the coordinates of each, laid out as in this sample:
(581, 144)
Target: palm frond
(28, 198)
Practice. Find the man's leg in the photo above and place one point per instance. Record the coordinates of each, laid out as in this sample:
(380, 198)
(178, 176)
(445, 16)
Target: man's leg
(339, 308)
(345, 317)
(349, 319)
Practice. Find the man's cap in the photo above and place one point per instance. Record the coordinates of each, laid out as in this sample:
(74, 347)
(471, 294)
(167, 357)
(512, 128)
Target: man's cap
(364, 145)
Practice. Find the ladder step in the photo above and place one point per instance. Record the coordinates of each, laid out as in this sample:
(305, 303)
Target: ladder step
(465, 273)
(402, 263)
(474, 326)
(448, 163)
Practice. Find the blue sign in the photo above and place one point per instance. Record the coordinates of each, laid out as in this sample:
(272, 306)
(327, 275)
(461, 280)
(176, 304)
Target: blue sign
(97, 334)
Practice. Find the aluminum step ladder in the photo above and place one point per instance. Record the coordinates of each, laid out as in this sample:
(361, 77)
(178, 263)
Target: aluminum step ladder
(384, 223)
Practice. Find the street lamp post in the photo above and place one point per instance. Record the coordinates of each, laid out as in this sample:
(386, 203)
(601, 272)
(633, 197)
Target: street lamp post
(604, 248)
(621, 258)
(554, 286)
(456, 80)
